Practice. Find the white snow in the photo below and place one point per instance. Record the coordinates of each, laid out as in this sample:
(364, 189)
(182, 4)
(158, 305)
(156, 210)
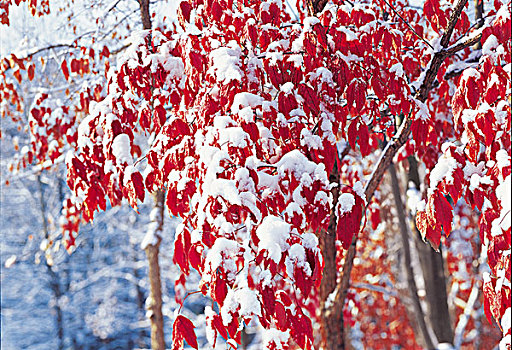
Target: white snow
(490, 45)
(273, 233)
(274, 336)
(150, 238)
(413, 198)
(346, 202)
(297, 259)
(442, 171)
(359, 190)
(243, 300)
(245, 99)
(214, 256)
(505, 320)
(505, 342)
(121, 149)
(502, 159)
(225, 63)
(423, 112)
(503, 193)
(398, 69)
(287, 88)
(309, 241)
(310, 140)
(309, 22)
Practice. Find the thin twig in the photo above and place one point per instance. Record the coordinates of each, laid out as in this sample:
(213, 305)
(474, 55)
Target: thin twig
(408, 25)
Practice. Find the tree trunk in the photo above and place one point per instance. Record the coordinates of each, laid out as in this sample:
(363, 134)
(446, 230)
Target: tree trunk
(144, 14)
(154, 302)
(54, 278)
(404, 233)
(432, 265)
(140, 297)
(331, 313)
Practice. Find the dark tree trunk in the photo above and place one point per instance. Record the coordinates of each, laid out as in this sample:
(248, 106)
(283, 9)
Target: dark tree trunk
(331, 313)
(144, 14)
(432, 265)
(404, 234)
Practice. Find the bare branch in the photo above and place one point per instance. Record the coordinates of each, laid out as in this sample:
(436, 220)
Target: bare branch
(408, 25)
(461, 46)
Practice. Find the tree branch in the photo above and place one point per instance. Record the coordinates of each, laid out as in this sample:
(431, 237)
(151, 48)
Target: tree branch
(411, 282)
(408, 25)
(461, 46)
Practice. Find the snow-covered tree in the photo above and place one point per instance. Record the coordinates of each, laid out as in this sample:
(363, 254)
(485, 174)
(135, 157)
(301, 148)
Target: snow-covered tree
(270, 128)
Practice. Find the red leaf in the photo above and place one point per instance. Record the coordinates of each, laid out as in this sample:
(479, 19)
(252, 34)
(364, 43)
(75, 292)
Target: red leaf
(138, 186)
(443, 212)
(183, 328)
(220, 290)
(356, 95)
(17, 75)
(472, 93)
(65, 70)
(184, 12)
(219, 326)
(30, 72)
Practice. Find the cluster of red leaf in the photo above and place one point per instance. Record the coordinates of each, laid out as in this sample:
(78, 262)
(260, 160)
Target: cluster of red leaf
(245, 138)
(478, 167)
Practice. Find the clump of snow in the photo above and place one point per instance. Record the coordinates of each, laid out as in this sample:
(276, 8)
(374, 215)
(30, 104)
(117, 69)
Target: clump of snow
(423, 112)
(346, 202)
(298, 164)
(235, 136)
(225, 63)
(309, 240)
(323, 75)
(413, 198)
(222, 247)
(309, 22)
(309, 140)
(10, 261)
(502, 159)
(503, 193)
(151, 237)
(505, 342)
(83, 132)
(274, 339)
(273, 233)
(121, 149)
(245, 99)
(210, 332)
(476, 180)
(359, 190)
(505, 320)
(442, 171)
(243, 300)
(490, 45)
(297, 259)
(398, 69)
(330, 299)
(287, 88)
